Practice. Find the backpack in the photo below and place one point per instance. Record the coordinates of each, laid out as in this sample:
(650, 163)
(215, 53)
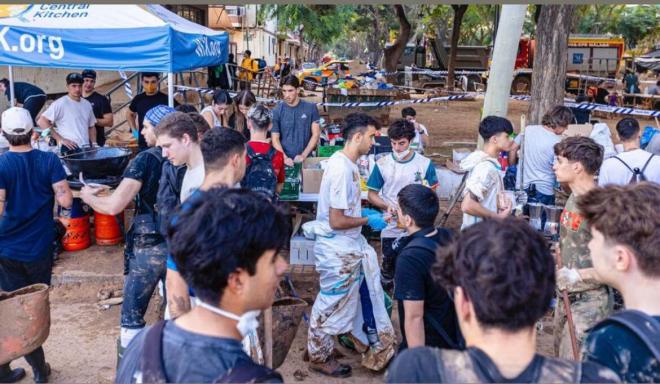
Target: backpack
(151, 364)
(169, 192)
(642, 325)
(459, 367)
(638, 175)
(260, 175)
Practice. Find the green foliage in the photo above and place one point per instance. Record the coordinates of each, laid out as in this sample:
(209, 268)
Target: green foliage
(634, 22)
(320, 24)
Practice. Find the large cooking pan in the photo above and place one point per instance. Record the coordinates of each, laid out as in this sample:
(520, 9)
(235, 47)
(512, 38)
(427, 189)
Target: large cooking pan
(97, 163)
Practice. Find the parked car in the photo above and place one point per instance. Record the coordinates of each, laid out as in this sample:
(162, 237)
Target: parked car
(332, 70)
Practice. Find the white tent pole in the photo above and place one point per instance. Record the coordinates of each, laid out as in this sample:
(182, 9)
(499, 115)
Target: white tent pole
(170, 89)
(12, 99)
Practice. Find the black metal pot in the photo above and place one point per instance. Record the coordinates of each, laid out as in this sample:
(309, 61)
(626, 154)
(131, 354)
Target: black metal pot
(97, 163)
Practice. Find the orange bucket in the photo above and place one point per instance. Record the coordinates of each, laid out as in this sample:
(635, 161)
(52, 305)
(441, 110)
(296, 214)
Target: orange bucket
(107, 230)
(77, 236)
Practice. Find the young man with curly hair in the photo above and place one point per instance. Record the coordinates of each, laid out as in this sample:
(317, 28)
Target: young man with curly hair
(502, 277)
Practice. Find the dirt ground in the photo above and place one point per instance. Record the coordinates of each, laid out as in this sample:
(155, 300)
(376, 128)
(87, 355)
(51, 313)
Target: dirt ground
(81, 347)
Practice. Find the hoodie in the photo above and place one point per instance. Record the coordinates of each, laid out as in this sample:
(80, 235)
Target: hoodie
(484, 181)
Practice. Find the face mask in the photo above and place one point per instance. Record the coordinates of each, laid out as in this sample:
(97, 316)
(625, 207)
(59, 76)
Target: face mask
(247, 323)
(401, 155)
(150, 88)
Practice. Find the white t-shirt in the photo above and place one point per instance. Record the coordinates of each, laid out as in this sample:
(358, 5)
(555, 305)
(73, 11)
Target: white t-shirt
(538, 157)
(390, 176)
(216, 120)
(71, 118)
(417, 144)
(484, 181)
(614, 172)
(340, 189)
(192, 180)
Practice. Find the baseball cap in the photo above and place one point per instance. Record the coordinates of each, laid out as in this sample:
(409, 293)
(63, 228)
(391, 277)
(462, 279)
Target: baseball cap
(16, 121)
(156, 114)
(74, 78)
(89, 74)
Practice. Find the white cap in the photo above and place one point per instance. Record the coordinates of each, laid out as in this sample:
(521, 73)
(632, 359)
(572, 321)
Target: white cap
(16, 121)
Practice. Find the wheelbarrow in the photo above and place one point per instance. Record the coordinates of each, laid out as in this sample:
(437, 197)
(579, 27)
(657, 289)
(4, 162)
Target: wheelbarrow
(286, 315)
(25, 315)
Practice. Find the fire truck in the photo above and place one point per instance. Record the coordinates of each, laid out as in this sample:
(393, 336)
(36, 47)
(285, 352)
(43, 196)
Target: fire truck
(591, 55)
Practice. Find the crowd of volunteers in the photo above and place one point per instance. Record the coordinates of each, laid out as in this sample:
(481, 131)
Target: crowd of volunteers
(209, 230)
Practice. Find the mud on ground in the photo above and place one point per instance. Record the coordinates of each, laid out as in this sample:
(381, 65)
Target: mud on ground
(81, 347)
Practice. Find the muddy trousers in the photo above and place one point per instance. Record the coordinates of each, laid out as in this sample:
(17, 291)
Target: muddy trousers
(389, 262)
(588, 308)
(146, 266)
(17, 274)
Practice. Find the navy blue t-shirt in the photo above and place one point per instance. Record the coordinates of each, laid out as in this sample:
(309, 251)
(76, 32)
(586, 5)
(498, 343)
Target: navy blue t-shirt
(188, 357)
(26, 226)
(294, 124)
(616, 347)
(413, 282)
(24, 90)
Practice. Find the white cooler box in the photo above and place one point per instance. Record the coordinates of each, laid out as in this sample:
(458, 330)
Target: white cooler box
(301, 251)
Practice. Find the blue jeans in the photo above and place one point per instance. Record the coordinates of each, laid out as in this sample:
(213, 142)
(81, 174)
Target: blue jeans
(146, 266)
(367, 306)
(542, 199)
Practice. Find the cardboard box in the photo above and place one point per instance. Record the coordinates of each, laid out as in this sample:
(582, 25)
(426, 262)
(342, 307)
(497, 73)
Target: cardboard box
(578, 130)
(301, 251)
(312, 174)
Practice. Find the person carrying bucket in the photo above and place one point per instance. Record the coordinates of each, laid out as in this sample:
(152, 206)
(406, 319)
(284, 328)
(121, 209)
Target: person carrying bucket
(145, 249)
(30, 182)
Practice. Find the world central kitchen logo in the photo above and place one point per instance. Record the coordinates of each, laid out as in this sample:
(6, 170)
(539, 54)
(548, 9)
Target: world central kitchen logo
(13, 10)
(15, 40)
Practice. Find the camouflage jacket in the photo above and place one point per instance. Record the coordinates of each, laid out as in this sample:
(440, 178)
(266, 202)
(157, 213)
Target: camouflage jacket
(575, 236)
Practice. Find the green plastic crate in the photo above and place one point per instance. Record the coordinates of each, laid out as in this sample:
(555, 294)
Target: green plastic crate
(328, 150)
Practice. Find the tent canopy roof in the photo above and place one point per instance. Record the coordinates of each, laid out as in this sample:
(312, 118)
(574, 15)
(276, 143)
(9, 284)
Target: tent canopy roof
(106, 37)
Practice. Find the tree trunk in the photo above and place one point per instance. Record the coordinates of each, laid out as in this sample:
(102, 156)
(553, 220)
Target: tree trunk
(393, 53)
(550, 59)
(373, 38)
(459, 11)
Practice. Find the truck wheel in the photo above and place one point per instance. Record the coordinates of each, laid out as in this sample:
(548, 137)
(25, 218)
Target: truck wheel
(522, 85)
(309, 84)
(472, 81)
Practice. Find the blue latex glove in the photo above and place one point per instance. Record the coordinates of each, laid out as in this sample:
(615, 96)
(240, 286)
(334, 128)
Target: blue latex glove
(366, 212)
(376, 222)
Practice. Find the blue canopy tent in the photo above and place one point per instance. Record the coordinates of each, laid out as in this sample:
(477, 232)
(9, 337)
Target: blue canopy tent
(145, 38)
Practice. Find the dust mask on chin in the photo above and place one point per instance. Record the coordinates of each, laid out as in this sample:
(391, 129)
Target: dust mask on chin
(247, 323)
(401, 155)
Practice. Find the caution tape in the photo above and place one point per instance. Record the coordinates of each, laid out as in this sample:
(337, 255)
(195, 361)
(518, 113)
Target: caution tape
(431, 72)
(379, 104)
(368, 104)
(600, 107)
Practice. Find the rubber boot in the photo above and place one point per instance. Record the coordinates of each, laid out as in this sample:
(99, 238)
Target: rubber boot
(40, 368)
(120, 352)
(8, 375)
